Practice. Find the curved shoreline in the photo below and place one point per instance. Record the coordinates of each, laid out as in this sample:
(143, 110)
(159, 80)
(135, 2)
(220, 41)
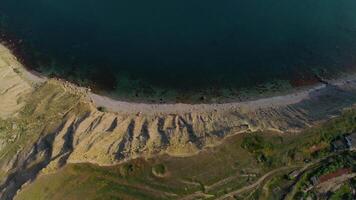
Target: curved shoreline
(181, 108)
(260, 103)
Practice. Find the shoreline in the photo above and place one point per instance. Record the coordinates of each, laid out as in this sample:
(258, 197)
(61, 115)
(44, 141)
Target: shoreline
(113, 105)
(287, 98)
(181, 108)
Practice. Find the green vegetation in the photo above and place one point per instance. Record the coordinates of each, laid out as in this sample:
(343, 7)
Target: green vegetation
(102, 109)
(241, 161)
(302, 187)
(43, 113)
(344, 160)
(256, 143)
(86, 182)
(344, 193)
(159, 170)
(17, 71)
(276, 187)
(262, 147)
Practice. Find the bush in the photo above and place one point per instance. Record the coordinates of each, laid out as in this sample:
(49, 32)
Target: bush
(102, 109)
(159, 170)
(127, 169)
(255, 143)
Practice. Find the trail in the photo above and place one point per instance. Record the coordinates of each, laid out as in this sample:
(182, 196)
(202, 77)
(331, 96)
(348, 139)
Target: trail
(257, 183)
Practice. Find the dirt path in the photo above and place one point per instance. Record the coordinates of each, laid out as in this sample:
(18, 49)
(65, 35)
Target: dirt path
(257, 183)
(200, 194)
(197, 195)
(226, 180)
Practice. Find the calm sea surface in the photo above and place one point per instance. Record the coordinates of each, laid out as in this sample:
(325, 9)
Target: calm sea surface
(180, 49)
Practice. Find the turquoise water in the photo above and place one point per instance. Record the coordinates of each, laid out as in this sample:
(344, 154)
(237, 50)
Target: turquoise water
(180, 49)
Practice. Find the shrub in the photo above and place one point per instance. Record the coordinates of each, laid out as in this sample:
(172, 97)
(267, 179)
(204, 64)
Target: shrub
(102, 109)
(159, 170)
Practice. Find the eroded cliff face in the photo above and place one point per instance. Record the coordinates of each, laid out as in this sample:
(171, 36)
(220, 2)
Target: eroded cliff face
(44, 127)
(106, 138)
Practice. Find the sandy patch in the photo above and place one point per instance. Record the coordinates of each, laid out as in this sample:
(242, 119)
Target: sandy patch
(12, 85)
(16, 80)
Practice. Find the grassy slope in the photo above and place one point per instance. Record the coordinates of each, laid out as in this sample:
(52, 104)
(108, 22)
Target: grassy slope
(215, 171)
(37, 118)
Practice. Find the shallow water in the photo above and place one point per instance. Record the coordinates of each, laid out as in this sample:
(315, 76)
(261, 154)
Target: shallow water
(183, 49)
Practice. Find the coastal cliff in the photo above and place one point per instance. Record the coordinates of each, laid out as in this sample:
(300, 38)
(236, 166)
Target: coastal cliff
(48, 123)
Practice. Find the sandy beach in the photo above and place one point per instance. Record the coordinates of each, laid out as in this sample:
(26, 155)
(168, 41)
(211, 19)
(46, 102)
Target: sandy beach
(181, 108)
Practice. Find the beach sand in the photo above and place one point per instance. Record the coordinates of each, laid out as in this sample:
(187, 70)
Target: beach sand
(24, 79)
(180, 108)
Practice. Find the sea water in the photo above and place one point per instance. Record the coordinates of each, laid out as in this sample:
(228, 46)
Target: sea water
(182, 49)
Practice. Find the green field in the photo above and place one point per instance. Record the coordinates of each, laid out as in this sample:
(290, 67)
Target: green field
(239, 162)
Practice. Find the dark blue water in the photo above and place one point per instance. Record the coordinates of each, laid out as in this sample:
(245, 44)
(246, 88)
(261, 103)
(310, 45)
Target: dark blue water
(171, 48)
